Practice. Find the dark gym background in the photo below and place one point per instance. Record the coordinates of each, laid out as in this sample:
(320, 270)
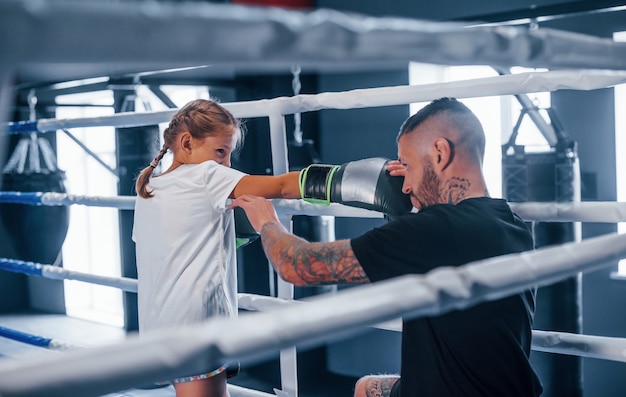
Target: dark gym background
(338, 136)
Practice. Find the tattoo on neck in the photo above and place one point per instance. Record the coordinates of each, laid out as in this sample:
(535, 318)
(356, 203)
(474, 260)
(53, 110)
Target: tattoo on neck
(455, 189)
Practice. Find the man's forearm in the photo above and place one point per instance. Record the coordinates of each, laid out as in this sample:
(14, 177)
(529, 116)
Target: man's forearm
(302, 263)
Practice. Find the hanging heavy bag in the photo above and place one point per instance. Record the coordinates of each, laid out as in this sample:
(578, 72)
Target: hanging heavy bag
(37, 231)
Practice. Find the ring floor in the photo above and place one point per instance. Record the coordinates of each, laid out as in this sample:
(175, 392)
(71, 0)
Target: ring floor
(86, 333)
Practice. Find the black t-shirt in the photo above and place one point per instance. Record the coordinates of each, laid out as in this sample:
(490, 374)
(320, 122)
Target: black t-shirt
(479, 351)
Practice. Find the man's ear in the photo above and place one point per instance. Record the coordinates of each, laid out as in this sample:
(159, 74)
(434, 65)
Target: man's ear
(444, 152)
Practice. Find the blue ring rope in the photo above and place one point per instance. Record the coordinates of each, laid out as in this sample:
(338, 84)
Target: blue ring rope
(25, 338)
(16, 266)
(22, 127)
(21, 198)
(58, 273)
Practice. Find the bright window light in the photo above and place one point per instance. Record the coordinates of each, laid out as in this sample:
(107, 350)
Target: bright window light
(92, 242)
(180, 95)
(94, 98)
(620, 148)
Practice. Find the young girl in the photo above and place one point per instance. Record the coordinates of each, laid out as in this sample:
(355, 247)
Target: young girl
(184, 230)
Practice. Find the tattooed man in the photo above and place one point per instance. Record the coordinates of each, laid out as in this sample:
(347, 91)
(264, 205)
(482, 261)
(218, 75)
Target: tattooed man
(480, 351)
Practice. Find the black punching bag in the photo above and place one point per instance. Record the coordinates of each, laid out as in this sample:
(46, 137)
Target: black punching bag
(38, 231)
(551, 177)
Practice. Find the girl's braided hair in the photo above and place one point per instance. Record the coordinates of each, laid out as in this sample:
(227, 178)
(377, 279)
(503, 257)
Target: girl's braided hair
(201, 118)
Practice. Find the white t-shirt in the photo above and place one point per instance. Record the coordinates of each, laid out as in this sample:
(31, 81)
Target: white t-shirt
(185, 246)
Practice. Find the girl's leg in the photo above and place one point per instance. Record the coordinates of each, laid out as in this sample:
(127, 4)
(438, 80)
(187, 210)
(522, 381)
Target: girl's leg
(212, 387)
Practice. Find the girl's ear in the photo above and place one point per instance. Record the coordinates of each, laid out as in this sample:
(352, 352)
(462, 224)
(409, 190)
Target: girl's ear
(185, 141)
(444, 151)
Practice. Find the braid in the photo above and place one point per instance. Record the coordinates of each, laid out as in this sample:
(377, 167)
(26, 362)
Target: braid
(144, 176)
(158, 157)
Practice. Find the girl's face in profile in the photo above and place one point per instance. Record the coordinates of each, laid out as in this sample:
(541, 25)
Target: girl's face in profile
(217, 147)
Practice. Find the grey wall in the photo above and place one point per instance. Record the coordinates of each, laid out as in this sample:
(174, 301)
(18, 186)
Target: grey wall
(588, 117)
(13, 286)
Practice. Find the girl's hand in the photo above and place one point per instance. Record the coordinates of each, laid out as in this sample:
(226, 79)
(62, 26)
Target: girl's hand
(259, 210)
(395, 168)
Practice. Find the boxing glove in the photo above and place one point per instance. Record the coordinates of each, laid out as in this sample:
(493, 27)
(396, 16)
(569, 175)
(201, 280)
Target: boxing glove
(245, 233)
(364, 184)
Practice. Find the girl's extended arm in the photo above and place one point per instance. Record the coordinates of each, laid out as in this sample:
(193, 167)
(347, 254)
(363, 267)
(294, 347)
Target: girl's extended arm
(269, 186)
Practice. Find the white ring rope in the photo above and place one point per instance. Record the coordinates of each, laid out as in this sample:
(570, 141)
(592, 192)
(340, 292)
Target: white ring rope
(257, 336)
(590, 346)
(121, 202)
(60, 273)
(56, 345)
(510, 84)
(602, 347)
(587, 211)
(554, 342)
(272, 37)
(64, 199)
(60, 346)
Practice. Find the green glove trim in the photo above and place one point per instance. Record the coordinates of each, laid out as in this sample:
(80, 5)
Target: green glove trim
(315, 183)
(242, 242)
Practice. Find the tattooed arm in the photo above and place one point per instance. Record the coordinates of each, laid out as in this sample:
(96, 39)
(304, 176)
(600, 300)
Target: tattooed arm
(302, 263)
(295, 259)
(376, 386)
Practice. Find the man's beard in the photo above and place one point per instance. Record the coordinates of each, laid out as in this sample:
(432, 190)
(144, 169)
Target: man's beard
(428, 192)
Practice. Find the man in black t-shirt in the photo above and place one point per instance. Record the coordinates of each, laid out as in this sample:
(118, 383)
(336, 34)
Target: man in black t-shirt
(479, 351)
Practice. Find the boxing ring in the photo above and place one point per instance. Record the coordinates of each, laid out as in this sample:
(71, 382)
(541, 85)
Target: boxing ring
(453, 288)
(281, 324)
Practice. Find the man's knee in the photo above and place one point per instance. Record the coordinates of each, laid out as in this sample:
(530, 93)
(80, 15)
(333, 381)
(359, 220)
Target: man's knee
(375, 385)
(359, 387)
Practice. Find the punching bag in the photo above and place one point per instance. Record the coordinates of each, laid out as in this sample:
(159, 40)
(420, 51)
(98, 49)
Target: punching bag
(551, 177)
(38, 231)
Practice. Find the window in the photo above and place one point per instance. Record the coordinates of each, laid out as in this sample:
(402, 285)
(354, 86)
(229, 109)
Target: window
(92, 243)
(620, 149)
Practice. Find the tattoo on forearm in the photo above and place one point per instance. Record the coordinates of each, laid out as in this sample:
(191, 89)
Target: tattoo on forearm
(455, 189)
(379, 386)
(304, 263)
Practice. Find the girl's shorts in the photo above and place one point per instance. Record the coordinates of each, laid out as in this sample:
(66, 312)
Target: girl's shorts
(232, 370)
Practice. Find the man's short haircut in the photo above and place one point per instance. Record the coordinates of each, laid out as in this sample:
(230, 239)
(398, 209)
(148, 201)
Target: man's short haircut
(456, 114)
